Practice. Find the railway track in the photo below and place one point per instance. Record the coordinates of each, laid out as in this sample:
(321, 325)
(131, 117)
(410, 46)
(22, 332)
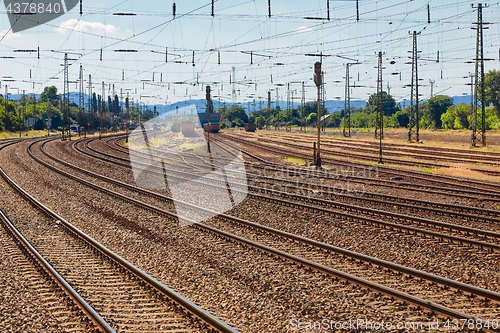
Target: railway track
(375, 217)
(419, 152)
(469, 191)
(273, 248)
(127, 298)
(469, 187)
(66, 306)
(470, 154)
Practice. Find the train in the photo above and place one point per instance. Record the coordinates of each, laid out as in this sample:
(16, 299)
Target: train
(188, 129)
(212, 127)
(176, 127)
(250, 127)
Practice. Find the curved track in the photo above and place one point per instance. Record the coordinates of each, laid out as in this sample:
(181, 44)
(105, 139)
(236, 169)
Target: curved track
(394, 221)
(273, 245)
(418, 180)
(128, 299)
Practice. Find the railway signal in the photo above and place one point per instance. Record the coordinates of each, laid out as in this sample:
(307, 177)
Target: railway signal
(127, 124)
(379, 130)
(318, 80)
(208, 118)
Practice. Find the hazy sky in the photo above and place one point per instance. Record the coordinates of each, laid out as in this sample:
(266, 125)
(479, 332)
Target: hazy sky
(278, 43)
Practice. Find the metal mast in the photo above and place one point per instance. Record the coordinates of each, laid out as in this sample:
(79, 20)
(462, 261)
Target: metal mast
(101, 110)
(65, 103)
(209, 128)
(478, 136)
(81, 99)
(413, 114)
(303, 102)
(90, 111)
(347, 103)
(233, 93)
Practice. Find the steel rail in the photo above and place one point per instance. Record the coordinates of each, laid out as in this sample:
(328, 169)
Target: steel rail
(400, 151)
(29, 250)
(405, 202)
(375, 158)
(403, 269)
(400, 201)
(440, 150)
(159, 286)
(493, 196)
(413, 174)
(344, 206)
(433, 307)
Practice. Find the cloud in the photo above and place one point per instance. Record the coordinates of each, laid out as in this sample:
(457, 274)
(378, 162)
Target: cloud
(304, 29)
(10, 34)
(84, 26)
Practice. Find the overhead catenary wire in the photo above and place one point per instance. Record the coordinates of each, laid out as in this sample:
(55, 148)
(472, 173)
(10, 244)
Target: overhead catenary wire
(276, 36)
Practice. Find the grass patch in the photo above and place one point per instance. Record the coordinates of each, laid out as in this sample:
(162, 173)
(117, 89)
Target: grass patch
(194, 147)
(368, 162)
(158, 141)
(295, 160)
(29, 134)
(466, 173)
(428, 170)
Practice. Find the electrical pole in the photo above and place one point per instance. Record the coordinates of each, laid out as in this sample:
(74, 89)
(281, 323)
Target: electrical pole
(471, 84)
(303, 102)
(288, 96)
(233, 93)
(379, 130)
(65, 103)
(347, 102)
(277, 97)
(90, 111)
(413, 115)
(121, 107)
(127, 106)
(479, 125)
(20, 112)
(208, 118)
(101, 110)
(81, 100)
(114, 110)
(318, 80)
(432, 82)
(379, 127)
(48, 118)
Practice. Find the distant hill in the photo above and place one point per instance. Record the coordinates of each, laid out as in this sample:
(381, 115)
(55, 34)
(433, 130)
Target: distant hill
(331, 105)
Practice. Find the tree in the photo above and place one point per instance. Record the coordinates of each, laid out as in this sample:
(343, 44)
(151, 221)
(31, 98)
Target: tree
(456, 117)
(110, 105)
(236, 115)
(492, 119)
(492, 89)
(434, 108)
(388, 102)
(117, 106)
(334, 120)
(401, 118)
(50, 94)
(260, 122)
(312, 118)
(94, 103)
(363, 120)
